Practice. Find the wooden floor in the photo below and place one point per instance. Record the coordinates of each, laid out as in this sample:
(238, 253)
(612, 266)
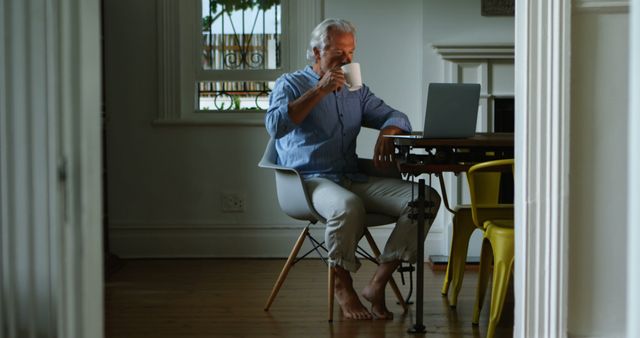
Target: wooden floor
(225, 298)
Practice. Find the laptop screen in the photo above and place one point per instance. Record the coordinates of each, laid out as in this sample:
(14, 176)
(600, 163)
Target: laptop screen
(452, 110)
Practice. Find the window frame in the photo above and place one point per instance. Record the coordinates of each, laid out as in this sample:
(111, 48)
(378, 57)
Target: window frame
(179, 64)
(260, 75)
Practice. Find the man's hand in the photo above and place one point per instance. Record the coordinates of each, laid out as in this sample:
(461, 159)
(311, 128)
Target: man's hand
(332, 80)
(329, 82)
(383, 153)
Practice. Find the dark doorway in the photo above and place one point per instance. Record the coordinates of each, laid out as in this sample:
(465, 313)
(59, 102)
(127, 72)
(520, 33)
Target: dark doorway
(504, 123)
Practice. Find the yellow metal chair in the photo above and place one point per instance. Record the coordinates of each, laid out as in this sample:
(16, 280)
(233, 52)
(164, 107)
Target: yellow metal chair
(487, 194)
(497, 244)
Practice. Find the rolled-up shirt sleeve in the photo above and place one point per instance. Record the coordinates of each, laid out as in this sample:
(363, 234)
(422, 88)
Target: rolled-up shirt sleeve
(277, 119)
(378, 115)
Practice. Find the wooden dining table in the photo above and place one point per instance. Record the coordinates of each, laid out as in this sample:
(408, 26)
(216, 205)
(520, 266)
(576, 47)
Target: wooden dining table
(417, 156)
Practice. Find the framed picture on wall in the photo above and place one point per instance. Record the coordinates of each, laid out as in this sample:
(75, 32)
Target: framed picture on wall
(497, 7)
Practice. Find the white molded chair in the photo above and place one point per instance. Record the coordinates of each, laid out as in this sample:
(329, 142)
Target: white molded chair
(294, 201)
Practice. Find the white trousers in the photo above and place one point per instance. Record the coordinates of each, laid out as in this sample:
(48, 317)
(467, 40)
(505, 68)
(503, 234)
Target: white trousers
(345, 205)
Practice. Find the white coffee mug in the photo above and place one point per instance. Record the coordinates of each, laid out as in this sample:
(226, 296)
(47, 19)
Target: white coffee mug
(352, 75)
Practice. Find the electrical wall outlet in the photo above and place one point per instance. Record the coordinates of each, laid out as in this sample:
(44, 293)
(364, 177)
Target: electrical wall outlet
(233, 202)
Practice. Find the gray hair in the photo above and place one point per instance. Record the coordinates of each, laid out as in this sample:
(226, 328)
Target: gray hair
(320, 34)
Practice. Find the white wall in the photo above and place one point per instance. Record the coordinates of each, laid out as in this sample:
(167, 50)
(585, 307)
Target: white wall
(597, 246)
(165, 182)
(458, 21)
(633, 236)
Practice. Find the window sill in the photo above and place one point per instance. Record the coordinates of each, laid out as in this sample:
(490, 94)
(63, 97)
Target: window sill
(210, 118)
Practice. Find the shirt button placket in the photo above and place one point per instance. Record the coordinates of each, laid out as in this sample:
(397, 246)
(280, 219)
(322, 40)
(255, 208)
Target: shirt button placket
(340, 110)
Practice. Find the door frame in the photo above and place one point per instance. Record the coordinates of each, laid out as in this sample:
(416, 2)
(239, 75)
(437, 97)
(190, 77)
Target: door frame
(633, 232)
(542, 89)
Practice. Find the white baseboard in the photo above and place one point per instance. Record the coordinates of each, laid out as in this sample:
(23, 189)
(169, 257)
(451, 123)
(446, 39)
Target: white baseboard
(591, 6)
(608, 335)
(234, 241)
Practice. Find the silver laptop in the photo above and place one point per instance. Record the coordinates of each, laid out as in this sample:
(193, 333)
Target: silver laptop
(452, 111)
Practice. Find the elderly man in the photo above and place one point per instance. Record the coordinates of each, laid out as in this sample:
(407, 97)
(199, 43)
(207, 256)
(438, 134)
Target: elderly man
(316, 120)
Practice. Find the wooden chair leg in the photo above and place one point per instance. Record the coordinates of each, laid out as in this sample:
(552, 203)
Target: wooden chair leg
(396, 291)
(287, 267)
(331, 290)
(392, 282)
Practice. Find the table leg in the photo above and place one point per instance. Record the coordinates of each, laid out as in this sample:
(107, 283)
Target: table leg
(419, 327)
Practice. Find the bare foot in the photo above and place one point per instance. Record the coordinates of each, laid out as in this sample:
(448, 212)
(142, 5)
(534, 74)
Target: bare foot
(347, 297)
(375, 295)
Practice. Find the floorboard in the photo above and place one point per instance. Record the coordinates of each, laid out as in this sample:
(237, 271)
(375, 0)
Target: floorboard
(225, 298)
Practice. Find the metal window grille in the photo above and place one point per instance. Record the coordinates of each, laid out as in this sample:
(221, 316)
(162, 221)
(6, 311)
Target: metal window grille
(239, 36)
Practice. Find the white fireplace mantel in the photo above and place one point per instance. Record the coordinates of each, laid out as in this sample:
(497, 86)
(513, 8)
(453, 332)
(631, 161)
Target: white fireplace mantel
(475, 51)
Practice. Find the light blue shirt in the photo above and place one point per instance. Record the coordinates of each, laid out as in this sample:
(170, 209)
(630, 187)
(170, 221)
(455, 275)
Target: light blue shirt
(324, 144)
